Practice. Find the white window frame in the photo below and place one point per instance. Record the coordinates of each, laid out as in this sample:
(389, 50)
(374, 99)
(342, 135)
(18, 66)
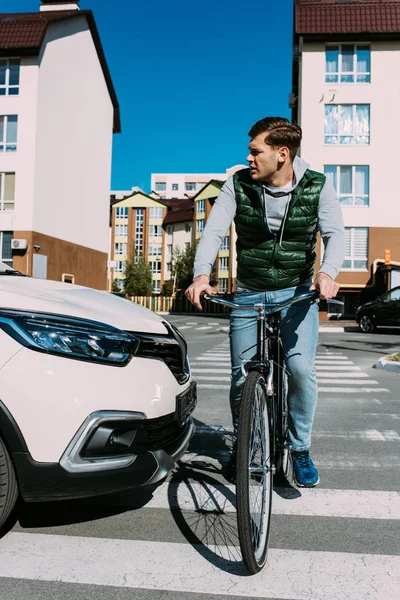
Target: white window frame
(222, 285)
(353, 194)
(225, 243)
(155, 250)
(7, 261)
(4, 145)
(120, 266)
(5, 203)
(340, 73)
(160, 186)
(199, 225)
(120, 249)
(156, 212)
(156, 284)
(223, 264)
(155, 231)
(190, 186)
(121, 230)
(6, 86)
(175, 187)
(139, 227)
(155, 266)
(201, 206)
(121, 212)
(354, 254)
(341, 133)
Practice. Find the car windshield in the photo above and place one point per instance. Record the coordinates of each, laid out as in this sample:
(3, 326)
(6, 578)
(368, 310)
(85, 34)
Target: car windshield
(392, 295)
(6, 269)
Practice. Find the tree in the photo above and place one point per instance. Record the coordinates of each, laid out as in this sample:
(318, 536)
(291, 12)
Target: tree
(182, 266)
(115, 286)
(167, 288)
(138, 277)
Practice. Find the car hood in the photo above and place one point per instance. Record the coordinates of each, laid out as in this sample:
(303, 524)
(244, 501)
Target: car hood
(26, 293)
(367, 305)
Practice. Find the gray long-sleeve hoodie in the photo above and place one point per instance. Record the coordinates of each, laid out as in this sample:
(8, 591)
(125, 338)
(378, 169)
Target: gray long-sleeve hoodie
(330, 221)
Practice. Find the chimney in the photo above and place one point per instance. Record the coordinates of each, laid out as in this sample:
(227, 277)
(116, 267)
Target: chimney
(59, 5)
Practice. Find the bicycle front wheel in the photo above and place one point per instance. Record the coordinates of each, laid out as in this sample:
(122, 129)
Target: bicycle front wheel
(254, 473)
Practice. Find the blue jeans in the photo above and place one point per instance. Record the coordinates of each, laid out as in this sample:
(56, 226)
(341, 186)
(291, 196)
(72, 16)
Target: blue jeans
(299, 333)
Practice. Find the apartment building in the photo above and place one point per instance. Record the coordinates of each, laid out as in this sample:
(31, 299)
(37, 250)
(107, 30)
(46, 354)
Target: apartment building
(345, 97)
(178, 225)
(137, 223)
(58, 113)
(180, 185)
(224, 270)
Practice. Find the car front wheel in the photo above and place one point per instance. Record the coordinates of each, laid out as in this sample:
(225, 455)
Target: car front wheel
(366, 324)
(8, 485)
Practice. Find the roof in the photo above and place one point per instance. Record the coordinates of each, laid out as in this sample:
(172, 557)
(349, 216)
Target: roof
(22, 34)
(347, 16)
(179, 211)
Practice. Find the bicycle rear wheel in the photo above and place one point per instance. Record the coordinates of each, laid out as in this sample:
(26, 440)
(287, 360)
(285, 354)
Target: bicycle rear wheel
(254, 473)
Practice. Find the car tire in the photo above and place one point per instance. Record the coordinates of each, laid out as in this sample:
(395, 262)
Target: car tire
(8, 485)
(366, 324)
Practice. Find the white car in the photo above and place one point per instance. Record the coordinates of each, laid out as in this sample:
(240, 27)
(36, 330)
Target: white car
(95, 392)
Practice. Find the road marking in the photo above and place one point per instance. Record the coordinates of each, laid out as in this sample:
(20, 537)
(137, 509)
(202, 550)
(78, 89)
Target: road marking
(371, 435)
(338, 368)
(211, 358)
(341, 374)
(346, 381)
(184, 327)
(358, 504)
(342, 390)
(332, 356)
(324, 361)
(208, 378)
(211, 386)
(183, 567)
(203, 328)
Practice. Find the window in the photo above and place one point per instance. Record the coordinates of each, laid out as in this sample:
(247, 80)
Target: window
(223, 264)
(190, 186)
(348, 63)
(391, 296)
(8, 133)
(120, 249)
(200, 206)
(139, 233)
(169, 251)
(175, 187)
(356, 257)
(9, 77)
(222, 286)
(155, 230)
(121, 230)
(350, 182)
(225, 243)
(169, 268)
(170, 230)
(188, 228)
(155, 266)
(156, 212)
(120, 266)
(347, 124)
(161, 186)
(5, 247)
(121, 212)
(156, 283)
(155, 249)
(200, 226)
(7, 191)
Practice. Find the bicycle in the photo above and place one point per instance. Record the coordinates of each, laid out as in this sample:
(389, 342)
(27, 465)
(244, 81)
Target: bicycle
(263, 446)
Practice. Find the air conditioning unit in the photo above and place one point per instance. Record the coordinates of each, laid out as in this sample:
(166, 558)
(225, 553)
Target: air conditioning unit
(19, 244)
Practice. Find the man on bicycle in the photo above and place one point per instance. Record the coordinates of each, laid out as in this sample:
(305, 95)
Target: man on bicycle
(278, 205)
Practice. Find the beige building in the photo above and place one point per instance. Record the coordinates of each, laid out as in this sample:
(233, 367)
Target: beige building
(180, 185)
(345, 97)
(58, 112)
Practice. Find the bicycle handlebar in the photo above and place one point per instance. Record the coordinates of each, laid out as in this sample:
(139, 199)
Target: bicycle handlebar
(312, 295)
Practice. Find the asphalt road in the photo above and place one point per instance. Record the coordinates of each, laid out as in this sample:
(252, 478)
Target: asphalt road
(179, 541)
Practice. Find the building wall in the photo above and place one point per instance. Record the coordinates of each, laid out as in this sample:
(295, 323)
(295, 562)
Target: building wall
(74, 139)
(200, 179)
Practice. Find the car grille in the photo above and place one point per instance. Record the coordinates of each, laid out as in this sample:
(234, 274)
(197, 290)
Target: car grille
(158, 434)
(169, 348)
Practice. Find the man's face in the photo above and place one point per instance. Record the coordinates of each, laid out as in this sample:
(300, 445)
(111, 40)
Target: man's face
(263, 159)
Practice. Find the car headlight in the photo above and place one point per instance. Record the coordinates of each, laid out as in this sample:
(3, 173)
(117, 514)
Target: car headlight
(70, 337)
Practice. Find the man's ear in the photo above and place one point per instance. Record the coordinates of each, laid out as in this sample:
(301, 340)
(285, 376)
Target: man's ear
(284, 154)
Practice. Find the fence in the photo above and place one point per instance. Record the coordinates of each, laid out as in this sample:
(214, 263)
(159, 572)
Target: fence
(178, 304)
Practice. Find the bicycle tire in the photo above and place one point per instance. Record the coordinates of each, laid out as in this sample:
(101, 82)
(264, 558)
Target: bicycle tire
(8, 485)
(254, 471)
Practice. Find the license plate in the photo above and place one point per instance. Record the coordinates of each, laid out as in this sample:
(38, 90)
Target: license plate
(185, 403)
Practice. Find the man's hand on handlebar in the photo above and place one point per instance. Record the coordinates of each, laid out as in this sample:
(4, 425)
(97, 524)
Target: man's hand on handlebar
(200, 285)
(327, 287)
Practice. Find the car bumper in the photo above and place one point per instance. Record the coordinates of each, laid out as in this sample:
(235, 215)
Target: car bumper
(50, 481)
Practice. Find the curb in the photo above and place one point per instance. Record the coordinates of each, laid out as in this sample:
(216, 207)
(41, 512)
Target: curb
(388, 365)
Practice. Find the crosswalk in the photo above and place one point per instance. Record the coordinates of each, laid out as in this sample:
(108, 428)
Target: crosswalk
(180, 541)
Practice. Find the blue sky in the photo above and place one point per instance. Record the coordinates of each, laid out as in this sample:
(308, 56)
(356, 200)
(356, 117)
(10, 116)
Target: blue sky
(191, 78)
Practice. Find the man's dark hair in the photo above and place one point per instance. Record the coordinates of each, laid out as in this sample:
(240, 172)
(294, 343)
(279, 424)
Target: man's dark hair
(279, 132)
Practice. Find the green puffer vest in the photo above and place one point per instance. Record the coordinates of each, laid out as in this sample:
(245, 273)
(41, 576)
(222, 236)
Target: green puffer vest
(267, 261)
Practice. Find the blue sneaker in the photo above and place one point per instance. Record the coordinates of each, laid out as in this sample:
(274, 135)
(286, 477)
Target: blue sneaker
(305, 474)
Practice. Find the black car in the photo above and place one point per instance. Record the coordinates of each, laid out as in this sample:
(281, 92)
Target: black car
(384, 311)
